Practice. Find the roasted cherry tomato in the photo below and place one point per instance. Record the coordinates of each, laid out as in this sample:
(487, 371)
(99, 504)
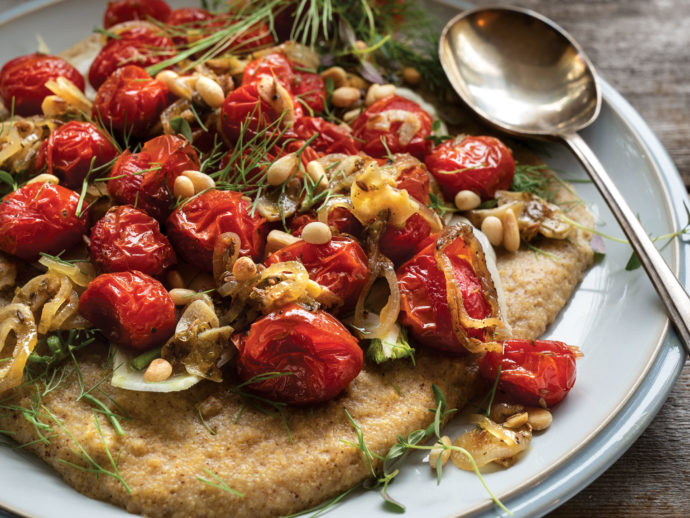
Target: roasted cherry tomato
(424, 306)
(127, 239)
(40, 217)
(139, 45)
(330, 138)
(310, 90)
(412, 176)
(399, 244)
(255, 37)
(129, 101)
(479, 164)
(532, 372)
(319, 356)
(339, 218)
(23, 79)
(146, 179)
(126, 10)
(339, 265)
(132, 309)
(274, 65)
(189, 17)
(74, 149)
(194, 227)
(402, 124)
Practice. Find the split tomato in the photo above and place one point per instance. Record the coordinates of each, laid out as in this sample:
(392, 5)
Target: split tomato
(22, 81)
(126, 10)
(315, 354)
(532, 372)
(132, 309)
(399, 244)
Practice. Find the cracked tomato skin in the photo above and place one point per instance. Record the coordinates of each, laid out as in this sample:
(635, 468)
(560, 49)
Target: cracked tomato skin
(127, 239)
(132, 309)
(70, 149)
(126, 10)
(319, 352)
(370, 127)
(194, 227)
(141, 46)
(483, 165)
(424, 301)
(130, 101)
(23, 78)
(339, 265)
(532, 371)
(40, 217)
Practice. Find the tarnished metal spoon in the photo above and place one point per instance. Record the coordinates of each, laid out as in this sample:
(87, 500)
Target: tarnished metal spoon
(525, 75)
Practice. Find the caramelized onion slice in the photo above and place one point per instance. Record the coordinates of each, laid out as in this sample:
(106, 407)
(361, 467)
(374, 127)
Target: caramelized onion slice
(367, 326)
(490, 442)
(125, 377)
(54, 296)
(225, 252)
(81, 274)
(281, 284)
(16, 320)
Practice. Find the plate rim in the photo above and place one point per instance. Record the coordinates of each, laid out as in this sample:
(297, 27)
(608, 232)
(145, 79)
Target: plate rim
(668, 355)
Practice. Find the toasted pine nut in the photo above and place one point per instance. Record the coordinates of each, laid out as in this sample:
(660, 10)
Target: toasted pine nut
(352, 114)
(278, 239)
(166, 76)
(200, 180)
(54, 106)
(511, 232)
(176, 84)
(282, 169)
(516, 421)
(316, 233)
(467, 200)
(175, 280)
(210, 91)
(183, 187)
(158, 370)
(411, 76)
(439, 450)
(182, 296)
(318, 174)
(493, 229)
(244, 268)
(45, 178)
(377, 92)
(355, 81)
(345, 96)
(313, 288)
(539, 418)
(336, 74)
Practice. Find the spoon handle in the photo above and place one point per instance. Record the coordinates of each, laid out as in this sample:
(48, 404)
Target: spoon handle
(668, 287)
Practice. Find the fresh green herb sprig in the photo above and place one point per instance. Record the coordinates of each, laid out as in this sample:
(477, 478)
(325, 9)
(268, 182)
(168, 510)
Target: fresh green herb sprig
(218, 483)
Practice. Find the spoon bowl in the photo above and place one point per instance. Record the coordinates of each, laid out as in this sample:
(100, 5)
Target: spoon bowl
(525, 75)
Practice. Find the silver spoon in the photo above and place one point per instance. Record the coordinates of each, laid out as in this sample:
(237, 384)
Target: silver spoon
(525, 75)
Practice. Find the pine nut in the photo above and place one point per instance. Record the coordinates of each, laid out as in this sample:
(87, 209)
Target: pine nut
(45, 178)
(210, 91)
(200, 180)
(175, 280)
(166, 76)
(176, 84)
(244, 268)
(352, 114)
(278, 239)
(440, 450)
(345, 96)
(183, 187)
(411, 76)
(158, 370)
(182, 296)
(539, 418)
(316, 233)
(467, 200)
(511, 232)
(493, 229)
(336, 74)
(318, 174)
(377, 92)
(516, 421)
(54, 106)
(355, 82)
(280, 170)
(313, 289)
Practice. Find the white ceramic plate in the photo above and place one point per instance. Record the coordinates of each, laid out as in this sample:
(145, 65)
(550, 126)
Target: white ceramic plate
(630, 361)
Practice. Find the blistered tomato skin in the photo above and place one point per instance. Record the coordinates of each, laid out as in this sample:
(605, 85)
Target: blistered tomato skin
(126, 10)
(532, 371)
(23, 79)
(483, 165)
(330, 138)
(132, 309)
(189, 17)
(40, 217)
(271, 65)
(194, 227)
(399, 244)
(402, 124)
(310, 89)
(424, 306)
(339, 265)
(127, 239)
(72, 150)
(129, 101)
(318, 352)
(141, 46)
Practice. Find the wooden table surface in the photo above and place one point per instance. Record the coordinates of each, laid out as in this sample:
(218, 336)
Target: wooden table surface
(642, 47)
